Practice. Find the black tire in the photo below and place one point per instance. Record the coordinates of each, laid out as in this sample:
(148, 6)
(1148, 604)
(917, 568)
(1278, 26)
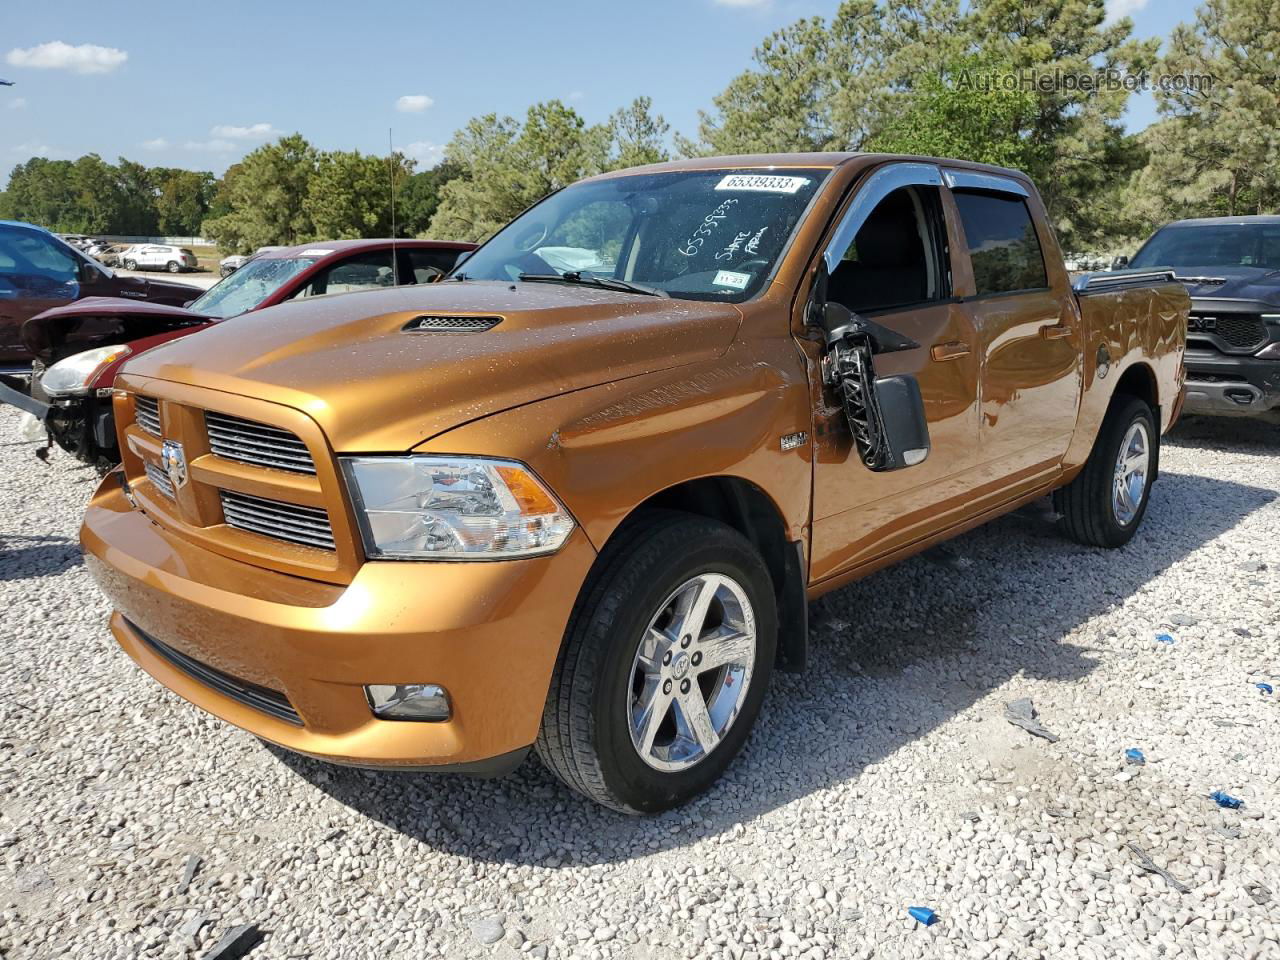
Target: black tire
(585, 738)
(173, 266)
(131, 264)
(1086, 504)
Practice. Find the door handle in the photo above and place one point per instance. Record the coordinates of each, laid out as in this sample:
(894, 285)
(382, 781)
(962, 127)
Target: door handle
(954, 350)
(1055, 331)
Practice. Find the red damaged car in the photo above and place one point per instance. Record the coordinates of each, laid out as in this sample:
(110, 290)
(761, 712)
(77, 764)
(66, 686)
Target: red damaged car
(79, 347)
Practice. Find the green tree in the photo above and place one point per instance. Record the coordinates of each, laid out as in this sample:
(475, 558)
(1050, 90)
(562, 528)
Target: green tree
(831, 86)
(509, 166)
(1078, 131)
(637, 136)
(267, 198)
(956, 115)
(42, 191)
(419, 197)
(1216, 148)
(182, 199)
(349, 196)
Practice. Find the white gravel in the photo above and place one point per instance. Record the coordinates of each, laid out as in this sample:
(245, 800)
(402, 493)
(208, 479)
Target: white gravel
(885, 777)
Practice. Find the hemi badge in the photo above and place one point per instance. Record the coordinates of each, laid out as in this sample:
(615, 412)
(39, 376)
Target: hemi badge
(792, 440)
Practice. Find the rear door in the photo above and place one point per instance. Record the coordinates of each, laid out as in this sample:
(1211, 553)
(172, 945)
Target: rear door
(890, 259)
(1028, 330)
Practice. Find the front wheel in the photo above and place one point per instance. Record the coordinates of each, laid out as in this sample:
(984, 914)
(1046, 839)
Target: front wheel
(1104, 505)
(664, 665)
(131, 264)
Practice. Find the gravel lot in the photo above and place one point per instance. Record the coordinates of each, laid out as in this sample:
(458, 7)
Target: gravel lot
(885, 777)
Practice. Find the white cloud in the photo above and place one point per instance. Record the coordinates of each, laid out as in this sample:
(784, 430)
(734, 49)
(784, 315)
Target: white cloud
(18, 103)
(86, 58)
(159, 143)
(426, 153)
(1123, 8)
(576, 95)
(413, 103)
(33, 148)
(209, 146)
(257, 131)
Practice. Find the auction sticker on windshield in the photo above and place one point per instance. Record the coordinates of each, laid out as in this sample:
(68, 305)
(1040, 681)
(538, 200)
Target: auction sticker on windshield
(728, 278)
(761, 182)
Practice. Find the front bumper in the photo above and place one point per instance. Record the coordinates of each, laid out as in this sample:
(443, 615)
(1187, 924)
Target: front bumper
(1222, 385)
(489, 632)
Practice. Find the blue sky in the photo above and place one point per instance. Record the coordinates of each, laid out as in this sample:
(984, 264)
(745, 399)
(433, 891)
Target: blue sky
(199, 85)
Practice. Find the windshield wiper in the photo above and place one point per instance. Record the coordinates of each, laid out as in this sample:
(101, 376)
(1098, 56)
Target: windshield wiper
(591, 280)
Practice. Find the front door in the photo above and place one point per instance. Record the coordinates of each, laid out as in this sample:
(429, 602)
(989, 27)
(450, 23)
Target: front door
(890, 260)
(1028, 333)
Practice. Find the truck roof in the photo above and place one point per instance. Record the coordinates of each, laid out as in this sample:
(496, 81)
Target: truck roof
(20, 223)
(824, 160)
(1215, 221)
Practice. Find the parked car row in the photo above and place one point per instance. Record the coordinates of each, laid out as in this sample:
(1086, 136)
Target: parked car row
(78, 348)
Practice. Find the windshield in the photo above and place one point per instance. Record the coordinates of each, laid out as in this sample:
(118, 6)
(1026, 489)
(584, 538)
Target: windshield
(249, 286)
(697, 235)
(1213, 245)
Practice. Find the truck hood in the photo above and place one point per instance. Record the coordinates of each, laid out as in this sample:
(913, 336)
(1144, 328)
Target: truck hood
(350, 364)
(1231, 283)
(98, 321)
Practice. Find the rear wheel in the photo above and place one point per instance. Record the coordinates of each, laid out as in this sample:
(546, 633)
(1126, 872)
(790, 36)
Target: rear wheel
(173, 266)
(1104, 505)
(664, 665)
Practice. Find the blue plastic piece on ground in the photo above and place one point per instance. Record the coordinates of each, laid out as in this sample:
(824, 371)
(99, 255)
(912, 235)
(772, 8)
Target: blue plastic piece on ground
(1265, 688)
(1134, 755)
(1226, 800)
(1163, 638)
(923, 915)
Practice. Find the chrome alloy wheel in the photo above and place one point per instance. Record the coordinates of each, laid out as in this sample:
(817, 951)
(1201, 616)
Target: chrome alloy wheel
(691, 672)
(1132, 464)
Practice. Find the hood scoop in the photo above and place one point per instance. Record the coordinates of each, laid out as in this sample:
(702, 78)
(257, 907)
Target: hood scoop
(429, 323)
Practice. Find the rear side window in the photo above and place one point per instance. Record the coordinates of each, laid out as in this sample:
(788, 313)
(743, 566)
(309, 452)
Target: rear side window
(418, 265)
(365, 271)
(1002, 242)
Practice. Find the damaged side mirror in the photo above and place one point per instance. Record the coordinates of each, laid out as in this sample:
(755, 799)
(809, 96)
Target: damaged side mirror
(885, 414)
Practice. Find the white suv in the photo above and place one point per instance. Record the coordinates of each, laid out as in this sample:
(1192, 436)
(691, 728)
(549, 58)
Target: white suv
(155, 256)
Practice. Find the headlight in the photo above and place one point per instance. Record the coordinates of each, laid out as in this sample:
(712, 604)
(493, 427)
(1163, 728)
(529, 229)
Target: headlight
(453, 508)
(74, 374)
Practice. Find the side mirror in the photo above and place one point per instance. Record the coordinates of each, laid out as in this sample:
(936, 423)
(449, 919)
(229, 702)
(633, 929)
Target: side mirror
(1120, 262)
(89, 274)
(906, 431)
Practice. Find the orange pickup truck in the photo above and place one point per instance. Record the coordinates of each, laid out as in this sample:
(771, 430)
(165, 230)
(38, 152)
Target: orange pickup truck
(576, 497)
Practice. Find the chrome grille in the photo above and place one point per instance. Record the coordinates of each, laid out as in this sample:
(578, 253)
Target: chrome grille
(308, 526)
(256, 443)
(160, 480)
(146, 410)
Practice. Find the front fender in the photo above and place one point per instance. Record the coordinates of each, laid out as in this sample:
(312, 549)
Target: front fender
(605, 450)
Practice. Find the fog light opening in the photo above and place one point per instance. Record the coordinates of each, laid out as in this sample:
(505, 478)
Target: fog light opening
(427, 702)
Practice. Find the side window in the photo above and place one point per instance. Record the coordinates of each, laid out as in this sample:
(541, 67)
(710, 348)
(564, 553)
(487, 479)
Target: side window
(1002, 242)
(425, 266)
(898, 257)
(367, 271)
